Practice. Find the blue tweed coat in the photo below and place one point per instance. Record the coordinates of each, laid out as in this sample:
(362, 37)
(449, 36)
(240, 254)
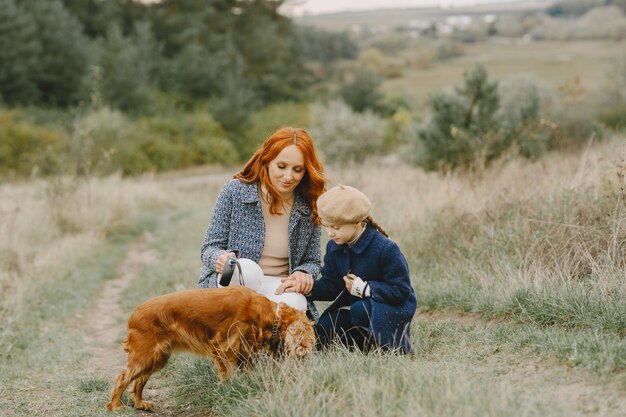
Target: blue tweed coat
(237, 226)
(379, 261)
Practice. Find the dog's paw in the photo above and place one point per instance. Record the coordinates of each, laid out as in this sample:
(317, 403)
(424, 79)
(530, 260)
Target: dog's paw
(113, 407)
(144, 405)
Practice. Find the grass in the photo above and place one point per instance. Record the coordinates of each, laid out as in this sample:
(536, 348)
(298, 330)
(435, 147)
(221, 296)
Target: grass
(457, 369)
(519, 272)
(55, 274)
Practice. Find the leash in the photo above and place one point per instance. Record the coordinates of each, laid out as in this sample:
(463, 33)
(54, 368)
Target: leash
(229, 269)
(274, 342)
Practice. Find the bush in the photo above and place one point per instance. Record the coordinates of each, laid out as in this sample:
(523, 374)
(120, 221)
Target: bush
(462, 128)
(481, 121)
(26, 148)
(519, 116)
(364, 93)
(345, 136)
(448, 49)
(181, 140)
(105, 141)
(614, 118)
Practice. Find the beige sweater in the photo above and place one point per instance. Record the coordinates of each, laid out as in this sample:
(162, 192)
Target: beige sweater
(275, 256)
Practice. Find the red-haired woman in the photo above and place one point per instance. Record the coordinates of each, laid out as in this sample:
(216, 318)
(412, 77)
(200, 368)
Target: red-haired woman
(267, 214)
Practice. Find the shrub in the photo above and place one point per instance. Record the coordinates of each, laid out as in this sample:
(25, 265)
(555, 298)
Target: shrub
(614, 118)
(26, 148)
(364, 93)
(519, 116)
(105, 141)
(448, 49)
(462, 127)
(573, 117)
(372, 60)
(182, 140)
(480, 122)
(345, 136)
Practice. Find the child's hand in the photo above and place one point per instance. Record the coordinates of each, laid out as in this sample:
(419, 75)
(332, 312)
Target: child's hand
(356, 286)
(349, 279)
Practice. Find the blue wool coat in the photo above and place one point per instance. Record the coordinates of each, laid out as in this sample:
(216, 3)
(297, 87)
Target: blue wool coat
(237, 225)
(379, 261)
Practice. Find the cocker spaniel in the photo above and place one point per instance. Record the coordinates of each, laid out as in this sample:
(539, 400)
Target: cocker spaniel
(228, 324)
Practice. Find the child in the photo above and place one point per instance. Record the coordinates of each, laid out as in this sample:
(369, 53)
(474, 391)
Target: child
(365, 274)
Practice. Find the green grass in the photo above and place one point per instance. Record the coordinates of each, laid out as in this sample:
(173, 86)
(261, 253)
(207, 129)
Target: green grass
(457, 369)
(522, 310)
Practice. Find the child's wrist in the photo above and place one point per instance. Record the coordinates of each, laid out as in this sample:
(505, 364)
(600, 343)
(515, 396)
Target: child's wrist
(360, 288)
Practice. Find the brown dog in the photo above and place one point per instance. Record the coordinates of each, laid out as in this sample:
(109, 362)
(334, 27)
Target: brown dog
(229, 324)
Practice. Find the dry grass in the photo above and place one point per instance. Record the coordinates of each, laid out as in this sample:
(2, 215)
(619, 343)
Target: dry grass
(47, 225)
(402, 195)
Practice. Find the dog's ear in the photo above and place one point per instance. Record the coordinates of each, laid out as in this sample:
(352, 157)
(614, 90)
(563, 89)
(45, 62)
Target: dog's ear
(299, 338)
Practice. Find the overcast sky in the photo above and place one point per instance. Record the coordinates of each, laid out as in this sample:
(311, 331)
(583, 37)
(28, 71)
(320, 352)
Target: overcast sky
(300, 7)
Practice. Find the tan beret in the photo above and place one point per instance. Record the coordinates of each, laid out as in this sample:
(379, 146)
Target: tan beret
(342, 205)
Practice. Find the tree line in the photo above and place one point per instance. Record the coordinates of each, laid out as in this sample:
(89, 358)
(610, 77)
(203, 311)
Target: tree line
(235, 55)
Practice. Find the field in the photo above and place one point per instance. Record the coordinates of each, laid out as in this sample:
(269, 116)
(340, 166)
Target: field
(553, 63)
(519, 272)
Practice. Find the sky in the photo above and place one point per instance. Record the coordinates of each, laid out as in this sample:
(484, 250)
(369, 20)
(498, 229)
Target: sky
(300, 7)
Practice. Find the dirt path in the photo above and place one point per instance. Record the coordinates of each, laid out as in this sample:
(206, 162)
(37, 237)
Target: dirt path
(107, 326)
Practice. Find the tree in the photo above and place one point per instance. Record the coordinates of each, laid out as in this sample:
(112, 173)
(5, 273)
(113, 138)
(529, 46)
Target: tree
(364, 93)
(197, 73)
(125, 79)
(326, 47)
(63, 64)
(267, 43)
(462, 128)
(19, 52)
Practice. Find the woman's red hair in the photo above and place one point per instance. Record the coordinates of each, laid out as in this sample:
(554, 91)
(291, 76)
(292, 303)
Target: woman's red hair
(312, 184)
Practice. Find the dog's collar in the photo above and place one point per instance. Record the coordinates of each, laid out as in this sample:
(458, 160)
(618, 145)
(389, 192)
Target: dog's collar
(275, 327)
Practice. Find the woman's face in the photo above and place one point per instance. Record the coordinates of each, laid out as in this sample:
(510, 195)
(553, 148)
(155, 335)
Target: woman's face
(286, 170)
(341, 233)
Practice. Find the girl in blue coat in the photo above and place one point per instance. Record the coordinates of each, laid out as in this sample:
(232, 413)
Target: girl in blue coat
(366, 275)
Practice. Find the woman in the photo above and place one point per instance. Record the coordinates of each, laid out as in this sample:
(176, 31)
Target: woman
(267, 213)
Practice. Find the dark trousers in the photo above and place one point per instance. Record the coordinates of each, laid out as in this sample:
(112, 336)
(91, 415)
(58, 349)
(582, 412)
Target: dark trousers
(349, 327)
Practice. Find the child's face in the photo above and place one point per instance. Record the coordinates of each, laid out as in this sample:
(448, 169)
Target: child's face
(341, 233)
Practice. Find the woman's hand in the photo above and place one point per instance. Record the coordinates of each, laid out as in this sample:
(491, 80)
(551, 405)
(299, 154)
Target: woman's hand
(221, 261)
(299, 282)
